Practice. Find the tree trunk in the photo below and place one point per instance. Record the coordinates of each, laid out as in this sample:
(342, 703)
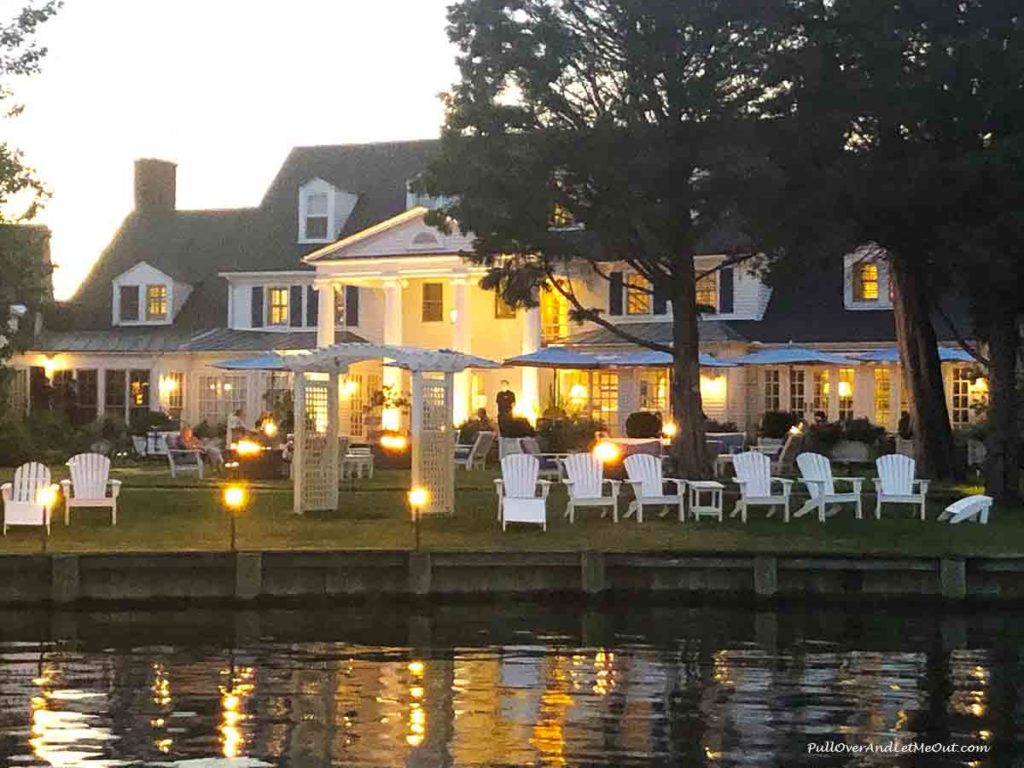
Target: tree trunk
(1002, 460)
(688, 447)
(919, 355)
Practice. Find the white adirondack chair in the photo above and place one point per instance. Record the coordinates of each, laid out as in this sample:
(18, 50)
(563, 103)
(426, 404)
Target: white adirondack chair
(585, 484)
(648, 485)
(517, 491)
(476, 455)
(816, 474)
(508, 446)
(754, 477)
(185, 460)
(895, 483)
(89, 484)
(21, 497)
(968, 508)
(550, 463)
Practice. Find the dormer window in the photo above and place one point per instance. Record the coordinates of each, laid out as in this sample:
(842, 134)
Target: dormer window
(156, 302)
(638, 295)
(316, 216)
(277, 311)
(707, 293)
(129, 300)
(865, 281)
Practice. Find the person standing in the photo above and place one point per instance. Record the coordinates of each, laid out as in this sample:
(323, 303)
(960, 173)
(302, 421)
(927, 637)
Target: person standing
(506, 402)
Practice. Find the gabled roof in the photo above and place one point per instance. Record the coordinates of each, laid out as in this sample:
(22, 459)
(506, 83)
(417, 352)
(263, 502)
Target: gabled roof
(195, 246)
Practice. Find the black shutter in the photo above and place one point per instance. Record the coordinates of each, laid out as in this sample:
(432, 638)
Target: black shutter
(726, 290)
(295, 306)
(660, 302)
(257, 306)
(352, 305)
(615, 294)
(312, 306)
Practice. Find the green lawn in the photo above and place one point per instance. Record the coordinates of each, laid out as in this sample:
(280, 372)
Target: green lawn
(161, 514)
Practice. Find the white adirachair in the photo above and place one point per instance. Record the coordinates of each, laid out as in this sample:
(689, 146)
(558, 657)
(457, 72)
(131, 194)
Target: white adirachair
(585, 483)
(648, 486)
(517, 491)
(476, 456)
(21, 497)
(974, 508)
(754, 477)
(90, 485)
(896, 484)
(816, 474)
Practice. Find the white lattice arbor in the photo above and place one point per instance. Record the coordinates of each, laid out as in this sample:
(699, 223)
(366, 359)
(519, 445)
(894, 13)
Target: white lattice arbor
(315, 463)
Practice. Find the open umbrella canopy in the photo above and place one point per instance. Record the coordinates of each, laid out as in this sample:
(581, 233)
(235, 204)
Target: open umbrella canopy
(892, 355)
(268, 362)
(556, 357)
(650, 357)
(793, 356)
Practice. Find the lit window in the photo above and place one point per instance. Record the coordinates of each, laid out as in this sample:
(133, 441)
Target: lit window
(654, 391)
(554, 316)
(561, 218)
(278, 310)
(883, 395)
(797, 391)
(502, 311)
(638, 295)
(316, 216)
(772, 389)
(707, 293)
(960, 412)
(845, 394)
(821, 392)
(433, 302)
(605, 400)
(156, 302)
(865, 281)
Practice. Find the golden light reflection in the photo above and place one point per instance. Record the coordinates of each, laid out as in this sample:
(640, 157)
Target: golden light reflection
(549, 732)
(604, 673)
(232, 708)
(417, 714)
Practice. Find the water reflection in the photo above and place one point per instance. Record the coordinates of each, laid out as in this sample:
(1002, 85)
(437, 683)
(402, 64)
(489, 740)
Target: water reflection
(701, 687)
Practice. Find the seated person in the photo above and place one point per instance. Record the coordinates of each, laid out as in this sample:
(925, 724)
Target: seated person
(210, 453)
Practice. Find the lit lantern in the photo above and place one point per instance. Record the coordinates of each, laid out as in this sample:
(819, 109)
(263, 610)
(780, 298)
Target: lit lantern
(419, 497)
(248, 448)
(395, 443)
(607, 452)
(270, 428)
(578, 392)
(669, 429)
(845, 389)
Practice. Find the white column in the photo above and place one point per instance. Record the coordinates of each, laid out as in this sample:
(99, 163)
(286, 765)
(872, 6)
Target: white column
(529, 398)
(461, 342)
(325, 320)
(392, 377)
(101, 392)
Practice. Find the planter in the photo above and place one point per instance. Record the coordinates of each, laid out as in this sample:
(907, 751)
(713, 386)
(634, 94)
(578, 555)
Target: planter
(851, 451)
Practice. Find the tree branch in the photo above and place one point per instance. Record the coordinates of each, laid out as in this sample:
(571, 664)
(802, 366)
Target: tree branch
(959, 336)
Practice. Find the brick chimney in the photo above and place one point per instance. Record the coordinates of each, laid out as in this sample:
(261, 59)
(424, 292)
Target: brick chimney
(155, 185)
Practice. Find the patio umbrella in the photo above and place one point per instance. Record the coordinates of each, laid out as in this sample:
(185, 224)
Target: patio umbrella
(892, 355)
(556, 357)
(653, 358)
(268, 362)
(793, 356)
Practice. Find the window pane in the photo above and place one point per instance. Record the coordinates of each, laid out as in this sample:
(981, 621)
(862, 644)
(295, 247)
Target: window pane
(707, 293)
(278, 311)
(316, 204)
(772, 389)
(654, 391)
(339, 305)
(554, 316)
(797, 391)
(883, 396)
(316, 227)
(845, 394)
(821, 392)
(433, 302)
(865, 282)
(961, 397)
(156, 302)
(138, 392)
(114, 391)
(638, 297)
(129, 295)
(85, 409)
(502, 311)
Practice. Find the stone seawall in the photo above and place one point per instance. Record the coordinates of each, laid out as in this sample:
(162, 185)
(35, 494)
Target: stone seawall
(66, 579)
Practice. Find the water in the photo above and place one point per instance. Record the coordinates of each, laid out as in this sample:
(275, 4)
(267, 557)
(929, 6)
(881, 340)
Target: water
(509, 685)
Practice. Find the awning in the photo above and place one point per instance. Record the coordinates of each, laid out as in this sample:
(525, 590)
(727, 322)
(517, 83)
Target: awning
(892, 355)
(793, 356)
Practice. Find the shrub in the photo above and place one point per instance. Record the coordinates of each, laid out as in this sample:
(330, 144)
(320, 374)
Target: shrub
(517, 426)
(821, 438)
(643, 424)
(561, 435)
(776, 424)
(15, 443)
(711, 425)
(207, 431)
(148, 421)
(862, 431)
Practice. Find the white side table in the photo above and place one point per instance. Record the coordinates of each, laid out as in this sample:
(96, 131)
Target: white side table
(705, 498)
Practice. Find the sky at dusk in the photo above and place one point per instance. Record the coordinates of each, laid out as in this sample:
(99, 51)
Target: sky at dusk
(224, 88)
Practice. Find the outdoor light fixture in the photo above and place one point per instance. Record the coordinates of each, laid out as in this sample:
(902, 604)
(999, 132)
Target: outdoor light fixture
(235, 498)
(607, 452)
(796, 429)
(418, 497)
(845, 389)
(50, 367)
(349, 388)
(270, 428)
(669, 429)
(395, 443)
(577, 392)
